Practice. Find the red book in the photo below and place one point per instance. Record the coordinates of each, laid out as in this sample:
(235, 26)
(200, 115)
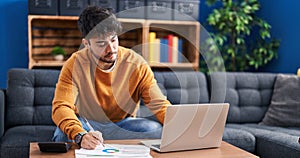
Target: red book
(170, 47)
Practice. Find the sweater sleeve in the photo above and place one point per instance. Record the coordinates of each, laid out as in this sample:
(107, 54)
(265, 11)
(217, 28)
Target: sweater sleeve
(63, 105)
(152, 95)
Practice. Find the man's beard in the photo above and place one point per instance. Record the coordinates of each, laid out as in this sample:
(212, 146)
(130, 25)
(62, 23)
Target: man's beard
(104, 59)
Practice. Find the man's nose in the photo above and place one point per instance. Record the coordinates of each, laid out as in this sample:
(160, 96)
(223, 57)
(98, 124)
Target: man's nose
(110, 47)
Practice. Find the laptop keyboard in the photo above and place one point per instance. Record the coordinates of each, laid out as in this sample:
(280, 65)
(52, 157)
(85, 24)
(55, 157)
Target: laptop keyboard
(156, 145)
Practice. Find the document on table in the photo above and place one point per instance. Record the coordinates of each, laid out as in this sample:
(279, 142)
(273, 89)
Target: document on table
(115, 151)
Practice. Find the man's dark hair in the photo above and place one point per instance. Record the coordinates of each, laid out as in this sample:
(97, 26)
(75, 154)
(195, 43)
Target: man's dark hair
(95, 20)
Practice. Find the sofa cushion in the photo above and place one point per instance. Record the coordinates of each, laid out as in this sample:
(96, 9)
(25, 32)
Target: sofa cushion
(16, 140)
(286, 130)
(29, 96)
(180, 87)
(239, 138)
(183, 87)
(273, 142)
(285, 105)
(248, 94)
(277, 146)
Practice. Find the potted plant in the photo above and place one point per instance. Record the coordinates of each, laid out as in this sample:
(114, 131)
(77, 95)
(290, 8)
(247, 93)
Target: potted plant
(242, 38)
(58, 53)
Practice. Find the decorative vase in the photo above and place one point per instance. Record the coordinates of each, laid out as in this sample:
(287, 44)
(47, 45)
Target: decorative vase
(59, 57)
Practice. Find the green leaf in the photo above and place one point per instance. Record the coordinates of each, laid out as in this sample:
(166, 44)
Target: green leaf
(233, 22)
(255, 7)
(230, 51)
(221, 26)
(247, 9)
(57, 50)
(252, 62)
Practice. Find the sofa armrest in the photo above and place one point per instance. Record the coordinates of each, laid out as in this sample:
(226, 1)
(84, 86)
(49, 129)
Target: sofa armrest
(2, 112)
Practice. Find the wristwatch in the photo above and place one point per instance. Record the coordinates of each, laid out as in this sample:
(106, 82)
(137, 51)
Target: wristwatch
(78, 138)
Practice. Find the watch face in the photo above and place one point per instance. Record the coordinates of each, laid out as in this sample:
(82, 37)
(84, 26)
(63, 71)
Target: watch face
(78, 138)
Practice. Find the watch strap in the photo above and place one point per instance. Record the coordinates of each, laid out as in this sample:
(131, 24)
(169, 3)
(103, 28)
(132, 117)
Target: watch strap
(78, 137)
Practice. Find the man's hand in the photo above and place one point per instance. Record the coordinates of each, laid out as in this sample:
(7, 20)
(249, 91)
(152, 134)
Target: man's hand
(91, 140)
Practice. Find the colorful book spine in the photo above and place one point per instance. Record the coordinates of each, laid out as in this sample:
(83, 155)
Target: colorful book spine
(163, 50)
(152, 36)
(156, 53)
(175, 49)
(170, 48)
(180, 55)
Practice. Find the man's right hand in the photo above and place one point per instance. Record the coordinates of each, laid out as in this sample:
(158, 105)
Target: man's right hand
(91, 140)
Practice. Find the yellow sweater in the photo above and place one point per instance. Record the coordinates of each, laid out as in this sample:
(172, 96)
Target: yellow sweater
(84, 89)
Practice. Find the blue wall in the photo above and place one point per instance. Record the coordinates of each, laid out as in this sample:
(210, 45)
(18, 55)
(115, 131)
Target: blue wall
(284, 16)
(13, 36)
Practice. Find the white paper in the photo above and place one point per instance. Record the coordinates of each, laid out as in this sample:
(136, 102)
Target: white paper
(115, 151)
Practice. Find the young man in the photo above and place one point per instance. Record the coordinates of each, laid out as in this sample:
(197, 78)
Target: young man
(101, 85)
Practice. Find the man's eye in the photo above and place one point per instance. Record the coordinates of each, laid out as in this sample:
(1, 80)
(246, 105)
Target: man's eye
(101, 44)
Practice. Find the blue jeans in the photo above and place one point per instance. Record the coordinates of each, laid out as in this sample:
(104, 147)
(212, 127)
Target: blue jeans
(128, 128)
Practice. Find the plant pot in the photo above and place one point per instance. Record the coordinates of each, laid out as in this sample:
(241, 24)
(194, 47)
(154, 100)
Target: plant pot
(59, 57)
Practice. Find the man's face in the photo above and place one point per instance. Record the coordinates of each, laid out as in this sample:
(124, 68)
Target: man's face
(104, 47)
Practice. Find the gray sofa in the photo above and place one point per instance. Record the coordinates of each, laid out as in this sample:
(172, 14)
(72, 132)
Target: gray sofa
(25, 108)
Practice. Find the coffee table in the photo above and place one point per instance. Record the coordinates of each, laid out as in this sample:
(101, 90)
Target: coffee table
(225, 151)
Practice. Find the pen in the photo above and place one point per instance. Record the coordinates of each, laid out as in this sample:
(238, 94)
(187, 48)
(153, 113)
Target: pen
(89, 126)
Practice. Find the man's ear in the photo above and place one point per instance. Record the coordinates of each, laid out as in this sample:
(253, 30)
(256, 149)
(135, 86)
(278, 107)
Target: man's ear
(85, 42)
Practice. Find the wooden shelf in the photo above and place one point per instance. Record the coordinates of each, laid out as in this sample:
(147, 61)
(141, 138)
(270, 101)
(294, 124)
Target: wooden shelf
(49, 63)
(45, 32)
(51, 17)
(172, 65)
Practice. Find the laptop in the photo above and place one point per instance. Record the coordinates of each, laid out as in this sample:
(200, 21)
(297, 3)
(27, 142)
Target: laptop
(191, 126)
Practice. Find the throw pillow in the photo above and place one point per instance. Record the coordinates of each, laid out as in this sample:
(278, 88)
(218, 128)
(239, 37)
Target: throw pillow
(284, 109)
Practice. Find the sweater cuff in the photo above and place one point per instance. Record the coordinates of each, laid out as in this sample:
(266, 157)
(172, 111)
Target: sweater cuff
(75, 131)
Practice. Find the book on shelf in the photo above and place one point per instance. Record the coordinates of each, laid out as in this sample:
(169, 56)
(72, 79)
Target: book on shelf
(175, 49)
(180, 55)
(172, 51)
(156, 52)
(170, 48)
(152, 37)
(164, 50)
